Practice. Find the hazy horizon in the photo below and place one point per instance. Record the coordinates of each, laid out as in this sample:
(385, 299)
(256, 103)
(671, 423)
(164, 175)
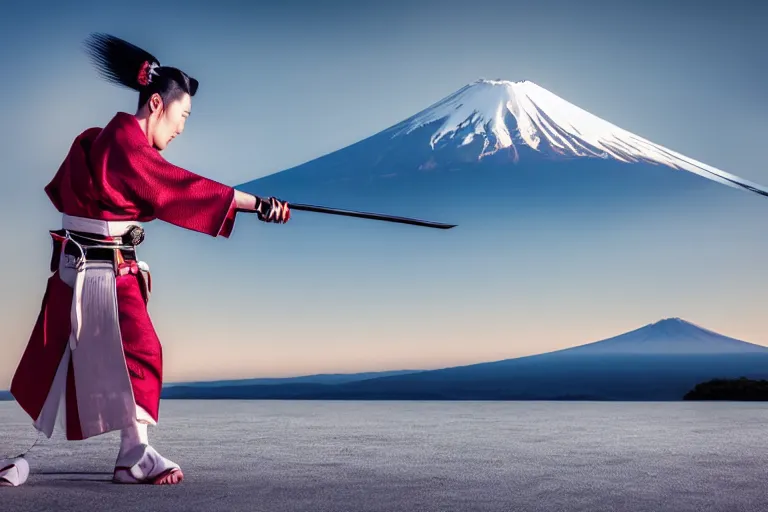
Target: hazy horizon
(284, 83)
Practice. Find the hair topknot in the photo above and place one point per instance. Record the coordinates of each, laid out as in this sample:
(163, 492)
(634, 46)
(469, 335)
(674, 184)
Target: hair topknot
(125, 64)
(117, 60)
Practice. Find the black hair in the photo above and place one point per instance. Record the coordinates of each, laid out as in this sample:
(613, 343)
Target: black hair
(125, 64)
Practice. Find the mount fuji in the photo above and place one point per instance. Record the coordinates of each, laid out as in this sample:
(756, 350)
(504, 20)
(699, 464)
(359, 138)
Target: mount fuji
(509, 146)
(659, 361)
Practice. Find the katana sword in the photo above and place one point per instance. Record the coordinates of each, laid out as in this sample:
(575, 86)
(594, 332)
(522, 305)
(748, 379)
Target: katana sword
(368, 215)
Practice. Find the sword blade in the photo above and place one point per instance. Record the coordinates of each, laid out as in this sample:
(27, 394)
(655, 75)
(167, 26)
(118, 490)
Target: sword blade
(368, 215)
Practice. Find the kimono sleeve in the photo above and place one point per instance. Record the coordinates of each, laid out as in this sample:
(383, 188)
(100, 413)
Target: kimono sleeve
(173, 194)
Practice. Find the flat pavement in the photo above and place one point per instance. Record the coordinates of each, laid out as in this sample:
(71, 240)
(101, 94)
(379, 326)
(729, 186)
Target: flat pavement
(416, 456)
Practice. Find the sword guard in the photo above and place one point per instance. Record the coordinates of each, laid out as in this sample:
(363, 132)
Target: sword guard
(134, 236)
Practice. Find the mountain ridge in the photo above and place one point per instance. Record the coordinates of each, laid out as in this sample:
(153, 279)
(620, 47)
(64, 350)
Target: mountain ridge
(659, 326)
(662, 325)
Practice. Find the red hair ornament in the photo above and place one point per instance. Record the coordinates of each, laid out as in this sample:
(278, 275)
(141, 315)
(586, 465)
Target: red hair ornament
(146, 72)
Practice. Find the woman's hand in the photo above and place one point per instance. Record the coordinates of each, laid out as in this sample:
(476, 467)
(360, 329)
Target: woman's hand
(268, 209)
(273, 210)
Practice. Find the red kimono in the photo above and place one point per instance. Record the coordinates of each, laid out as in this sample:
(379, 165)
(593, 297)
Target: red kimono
(114, 174)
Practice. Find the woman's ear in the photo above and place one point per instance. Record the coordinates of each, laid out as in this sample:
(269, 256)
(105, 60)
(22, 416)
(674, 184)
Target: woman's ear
(155, 102)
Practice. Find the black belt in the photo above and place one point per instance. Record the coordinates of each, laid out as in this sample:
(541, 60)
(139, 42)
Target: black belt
(97, 253)
(86, 241)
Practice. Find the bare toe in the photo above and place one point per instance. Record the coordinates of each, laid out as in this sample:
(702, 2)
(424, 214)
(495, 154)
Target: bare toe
(173, 477)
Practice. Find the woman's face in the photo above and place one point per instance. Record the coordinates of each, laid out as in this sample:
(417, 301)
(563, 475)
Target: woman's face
(167, 121)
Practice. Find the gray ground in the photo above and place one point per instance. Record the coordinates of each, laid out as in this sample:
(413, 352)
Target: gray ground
(417, 456)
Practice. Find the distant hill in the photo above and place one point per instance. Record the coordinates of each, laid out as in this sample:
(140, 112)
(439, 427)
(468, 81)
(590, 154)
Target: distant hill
(5, 396)
(321, 378)
(660, 361)
(742, 389)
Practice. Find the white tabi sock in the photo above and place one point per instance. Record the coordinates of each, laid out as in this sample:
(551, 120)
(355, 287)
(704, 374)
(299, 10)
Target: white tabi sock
(133, 442)
(137, 462)
(13, 472)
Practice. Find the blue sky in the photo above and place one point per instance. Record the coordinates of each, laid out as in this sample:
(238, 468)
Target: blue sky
(285, 82)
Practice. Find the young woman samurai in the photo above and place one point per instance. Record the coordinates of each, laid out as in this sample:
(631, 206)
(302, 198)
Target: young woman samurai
(94, 360)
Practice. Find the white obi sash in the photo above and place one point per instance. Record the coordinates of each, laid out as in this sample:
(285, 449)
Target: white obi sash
(95, 226)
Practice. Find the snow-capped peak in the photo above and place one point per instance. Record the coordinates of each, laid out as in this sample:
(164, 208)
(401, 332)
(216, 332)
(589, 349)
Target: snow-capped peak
(670, 335)
(546, 123)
